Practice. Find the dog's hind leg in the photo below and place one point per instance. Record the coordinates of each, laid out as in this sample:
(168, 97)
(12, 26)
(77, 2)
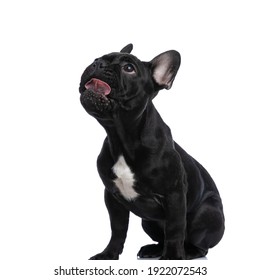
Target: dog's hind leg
(205, 228)
(155, 231)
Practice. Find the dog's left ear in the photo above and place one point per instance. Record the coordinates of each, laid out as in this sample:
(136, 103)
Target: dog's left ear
(127, 49)
(165, 67)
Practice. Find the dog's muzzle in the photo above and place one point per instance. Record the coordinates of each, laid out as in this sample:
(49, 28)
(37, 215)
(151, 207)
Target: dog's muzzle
(95, 96)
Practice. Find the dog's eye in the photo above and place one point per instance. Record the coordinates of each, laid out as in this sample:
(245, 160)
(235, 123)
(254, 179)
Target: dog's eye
(129, 68)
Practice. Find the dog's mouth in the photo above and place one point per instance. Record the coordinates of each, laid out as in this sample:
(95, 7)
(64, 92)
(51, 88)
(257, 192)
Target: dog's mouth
(95, 97)
(97, 86)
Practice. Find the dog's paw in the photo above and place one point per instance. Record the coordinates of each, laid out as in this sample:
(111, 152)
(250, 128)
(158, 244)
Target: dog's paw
(150, 251)
(105, 256)
(171, 258)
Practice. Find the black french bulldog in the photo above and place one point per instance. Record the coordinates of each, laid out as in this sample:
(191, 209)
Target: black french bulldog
(144, 171)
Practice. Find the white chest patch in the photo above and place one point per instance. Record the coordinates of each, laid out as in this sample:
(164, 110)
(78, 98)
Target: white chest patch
(125, 179)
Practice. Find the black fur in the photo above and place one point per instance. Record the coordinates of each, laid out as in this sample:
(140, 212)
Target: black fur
(178, 201)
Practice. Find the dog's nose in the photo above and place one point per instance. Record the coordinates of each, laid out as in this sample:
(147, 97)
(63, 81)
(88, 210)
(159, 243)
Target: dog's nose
(99, 63)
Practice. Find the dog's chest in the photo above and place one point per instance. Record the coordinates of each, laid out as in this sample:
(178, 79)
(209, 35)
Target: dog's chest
(125, 179)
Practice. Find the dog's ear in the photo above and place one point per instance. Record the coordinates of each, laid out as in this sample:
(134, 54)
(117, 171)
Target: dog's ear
(127, 49)
(165, 67)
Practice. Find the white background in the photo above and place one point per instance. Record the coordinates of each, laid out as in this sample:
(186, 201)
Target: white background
(51, 202)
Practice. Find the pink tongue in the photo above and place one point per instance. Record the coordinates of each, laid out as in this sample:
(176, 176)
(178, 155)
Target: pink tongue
(98, 86)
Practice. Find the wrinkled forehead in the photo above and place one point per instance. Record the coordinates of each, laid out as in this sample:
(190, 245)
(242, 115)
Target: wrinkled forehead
(118, 58)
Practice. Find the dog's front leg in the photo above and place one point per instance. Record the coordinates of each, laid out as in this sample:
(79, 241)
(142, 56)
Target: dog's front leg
(119, 218)
(175, 225)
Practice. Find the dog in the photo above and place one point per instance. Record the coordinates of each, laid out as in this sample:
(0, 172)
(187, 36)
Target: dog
(144, 171)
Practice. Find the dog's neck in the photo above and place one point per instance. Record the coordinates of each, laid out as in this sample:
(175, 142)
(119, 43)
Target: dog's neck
(126, 137)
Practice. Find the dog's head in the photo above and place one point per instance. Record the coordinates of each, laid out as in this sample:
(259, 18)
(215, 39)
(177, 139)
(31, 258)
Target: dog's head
(119, 81)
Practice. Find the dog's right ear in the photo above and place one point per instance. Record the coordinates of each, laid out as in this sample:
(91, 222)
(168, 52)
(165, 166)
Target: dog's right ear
(127, 49)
